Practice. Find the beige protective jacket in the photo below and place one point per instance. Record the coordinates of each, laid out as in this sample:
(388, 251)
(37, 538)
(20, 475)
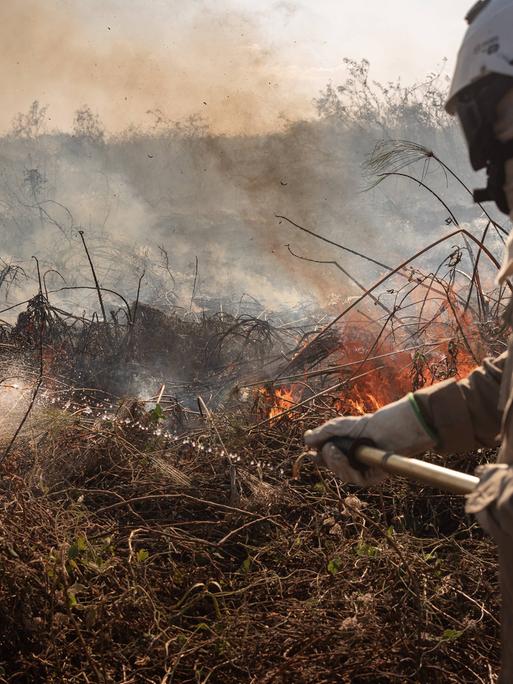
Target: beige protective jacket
(478, 412)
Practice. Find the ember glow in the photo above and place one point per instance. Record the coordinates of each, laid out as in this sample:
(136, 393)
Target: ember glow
(280, 400)
(373, 366)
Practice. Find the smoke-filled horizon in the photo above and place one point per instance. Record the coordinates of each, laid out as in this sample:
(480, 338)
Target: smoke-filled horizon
(242, 68)
(193, 204)
(197, 213)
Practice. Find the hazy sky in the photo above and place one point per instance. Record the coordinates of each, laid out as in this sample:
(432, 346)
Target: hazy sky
(406, 38)
(239, 63)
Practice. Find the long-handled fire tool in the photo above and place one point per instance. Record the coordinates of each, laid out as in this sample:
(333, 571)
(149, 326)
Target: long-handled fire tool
(362, 455)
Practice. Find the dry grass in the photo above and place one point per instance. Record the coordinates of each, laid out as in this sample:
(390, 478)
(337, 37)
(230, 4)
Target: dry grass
(127, 556)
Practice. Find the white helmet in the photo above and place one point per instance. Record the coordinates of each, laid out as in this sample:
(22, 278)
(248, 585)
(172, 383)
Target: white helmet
(487, 47)
(483, 75)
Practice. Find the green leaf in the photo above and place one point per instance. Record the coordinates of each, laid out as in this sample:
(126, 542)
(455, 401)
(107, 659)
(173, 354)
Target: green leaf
(319, 487)
(72, 599)
(334, 565)
(142, 555)
(451, 634)
(390, 532)
(365, 550)
(78, 547)
(246, 564)
(157, 413)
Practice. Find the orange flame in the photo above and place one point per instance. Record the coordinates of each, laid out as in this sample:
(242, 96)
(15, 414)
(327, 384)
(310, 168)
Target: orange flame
(280, 399)
(449, 347)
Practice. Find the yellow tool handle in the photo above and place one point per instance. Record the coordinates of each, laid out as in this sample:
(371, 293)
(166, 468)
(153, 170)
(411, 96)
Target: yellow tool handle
(411, 468)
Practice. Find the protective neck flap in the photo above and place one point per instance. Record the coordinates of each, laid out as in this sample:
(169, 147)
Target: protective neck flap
(476, 107)
(494, 191)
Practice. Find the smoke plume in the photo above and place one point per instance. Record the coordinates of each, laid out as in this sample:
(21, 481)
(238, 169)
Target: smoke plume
(210, 63)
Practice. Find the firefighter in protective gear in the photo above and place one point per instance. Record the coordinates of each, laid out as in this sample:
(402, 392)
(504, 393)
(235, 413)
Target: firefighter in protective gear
(458, 416)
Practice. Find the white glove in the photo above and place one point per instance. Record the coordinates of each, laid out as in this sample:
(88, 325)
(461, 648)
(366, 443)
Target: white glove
(397, 427)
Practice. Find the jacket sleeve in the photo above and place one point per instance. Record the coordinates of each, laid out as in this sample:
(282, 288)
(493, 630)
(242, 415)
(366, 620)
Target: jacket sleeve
(466, 414)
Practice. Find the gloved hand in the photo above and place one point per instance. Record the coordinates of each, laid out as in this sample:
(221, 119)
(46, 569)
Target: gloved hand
(397, 427)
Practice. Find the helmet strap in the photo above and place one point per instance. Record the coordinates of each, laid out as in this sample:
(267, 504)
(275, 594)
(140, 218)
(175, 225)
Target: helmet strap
(494, 191)
(476, 107)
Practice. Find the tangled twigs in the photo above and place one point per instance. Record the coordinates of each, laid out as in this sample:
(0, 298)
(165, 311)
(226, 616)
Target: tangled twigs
(295, 406)
(114, 569)
(96, 282)
(398, 269)
(207, 414)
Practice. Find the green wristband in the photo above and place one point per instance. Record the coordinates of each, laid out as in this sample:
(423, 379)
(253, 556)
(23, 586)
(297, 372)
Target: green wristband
(418, 413)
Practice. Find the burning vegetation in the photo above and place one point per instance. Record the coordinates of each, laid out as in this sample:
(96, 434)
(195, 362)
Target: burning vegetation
(156, 525)
(159, 519)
